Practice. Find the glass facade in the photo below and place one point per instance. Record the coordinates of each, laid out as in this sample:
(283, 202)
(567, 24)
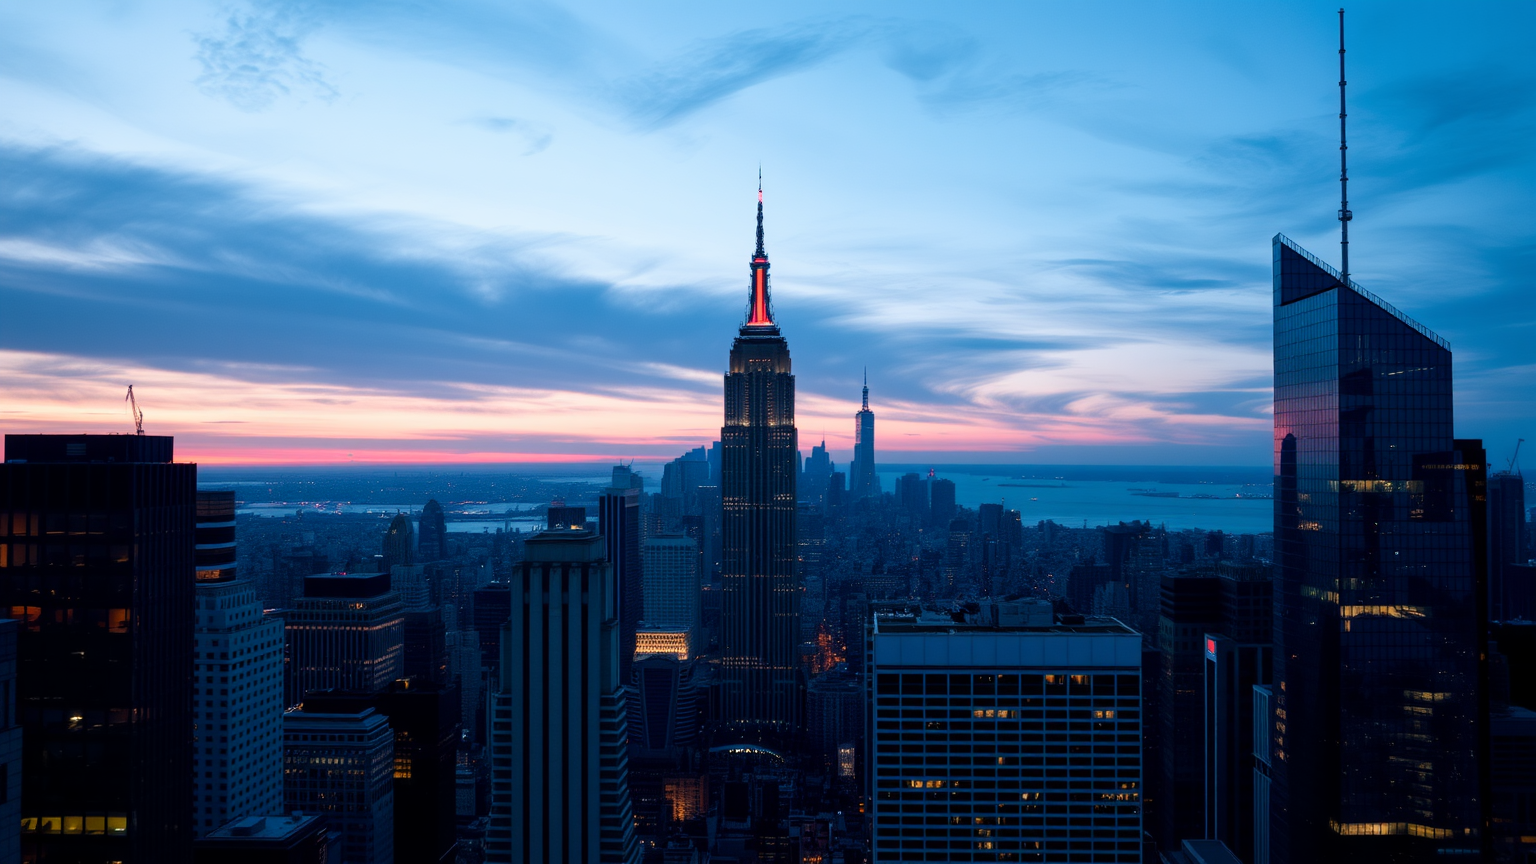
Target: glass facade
(1376, 628)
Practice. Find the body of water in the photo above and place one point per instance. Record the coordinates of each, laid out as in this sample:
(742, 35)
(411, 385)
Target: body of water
(1234, 507)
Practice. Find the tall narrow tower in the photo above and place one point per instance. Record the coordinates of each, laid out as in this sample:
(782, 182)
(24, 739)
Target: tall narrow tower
(864, 482)
(760, 618)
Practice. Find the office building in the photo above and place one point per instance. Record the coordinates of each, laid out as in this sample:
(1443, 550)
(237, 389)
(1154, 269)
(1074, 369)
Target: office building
(1375, 715)
(346, 633)
(297, 839)
(1237, 657)
(834, 715)
(760, 617)
(423, 720)
(237, 706)
(215, 535)
(664, 718)
(1003, 735)
(99, 551)
(10, 747)
(564, 518)
(1263, 772)
(618, 520)
(559, 770)
(341, 765)
(432, 533)
(671, 583)
(1508, 548)
(863, 482)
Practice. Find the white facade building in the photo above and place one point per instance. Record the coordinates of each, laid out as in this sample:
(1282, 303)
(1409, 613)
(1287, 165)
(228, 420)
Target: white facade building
(237, 706)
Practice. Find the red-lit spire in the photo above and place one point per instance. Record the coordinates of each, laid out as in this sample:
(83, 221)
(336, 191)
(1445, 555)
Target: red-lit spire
(760, 314)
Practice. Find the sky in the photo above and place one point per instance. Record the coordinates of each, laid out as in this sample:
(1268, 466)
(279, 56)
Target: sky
(318, 231)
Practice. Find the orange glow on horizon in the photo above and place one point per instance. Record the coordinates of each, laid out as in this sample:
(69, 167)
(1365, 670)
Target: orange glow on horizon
(284, 417)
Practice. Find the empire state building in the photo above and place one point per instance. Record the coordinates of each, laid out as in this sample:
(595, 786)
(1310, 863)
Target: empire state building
(760, 615)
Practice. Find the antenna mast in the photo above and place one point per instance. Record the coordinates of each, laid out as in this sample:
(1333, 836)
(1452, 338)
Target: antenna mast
(1344, 215)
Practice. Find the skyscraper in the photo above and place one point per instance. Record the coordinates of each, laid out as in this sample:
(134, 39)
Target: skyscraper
(346, 633)
(399, 542)
(618, 520)
(237, 703)
(1374, 719)
(432, 536)
(559, 781)
(101, 572)
(760, 618)
(672, 585)
(863, 481)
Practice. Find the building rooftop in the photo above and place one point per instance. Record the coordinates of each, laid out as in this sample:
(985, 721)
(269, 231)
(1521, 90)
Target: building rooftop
(265, 827)
(1005, 616)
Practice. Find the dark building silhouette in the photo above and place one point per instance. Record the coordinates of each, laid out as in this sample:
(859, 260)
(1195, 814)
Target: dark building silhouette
(863, 482)
(10, 746)
(814, 476)
(1376, 700)
(399, 543)
(1507, 548)
(101, 575)
(297, 839)
(423, 720)
(432, 535)
(1237, 658)
(566, 518)
(760, 620)
(942, 494)
(618, 520)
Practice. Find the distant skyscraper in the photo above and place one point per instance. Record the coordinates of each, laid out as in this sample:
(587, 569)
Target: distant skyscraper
(237, 703)
(818, 470)
(559, 780)
(101, 573)
(346, 633)
(863, 482)
(399, 542)
(432, 537)
(1005, 737)
(1375, 719)
(618, 520)
(760, 619)
(341, 765)
(942, 493)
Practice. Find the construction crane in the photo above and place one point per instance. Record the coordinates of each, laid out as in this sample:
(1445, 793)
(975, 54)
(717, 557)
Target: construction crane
(1514, 461)
(134, 412)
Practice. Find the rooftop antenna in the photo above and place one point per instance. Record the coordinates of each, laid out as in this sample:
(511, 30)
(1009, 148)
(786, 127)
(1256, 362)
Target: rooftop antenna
(1344, 215)
(134, 412)
(1514, 461)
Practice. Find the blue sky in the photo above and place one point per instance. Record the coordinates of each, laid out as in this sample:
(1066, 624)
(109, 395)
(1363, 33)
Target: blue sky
(327, 231)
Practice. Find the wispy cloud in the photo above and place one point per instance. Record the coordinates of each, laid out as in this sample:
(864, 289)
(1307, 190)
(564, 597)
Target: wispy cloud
(534, 137)
(258, 58)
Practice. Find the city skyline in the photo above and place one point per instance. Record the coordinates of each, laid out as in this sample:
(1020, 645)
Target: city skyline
(290, 274)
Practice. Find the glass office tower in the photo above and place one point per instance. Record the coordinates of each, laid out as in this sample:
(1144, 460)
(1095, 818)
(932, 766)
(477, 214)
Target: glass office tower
(1376, 626)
